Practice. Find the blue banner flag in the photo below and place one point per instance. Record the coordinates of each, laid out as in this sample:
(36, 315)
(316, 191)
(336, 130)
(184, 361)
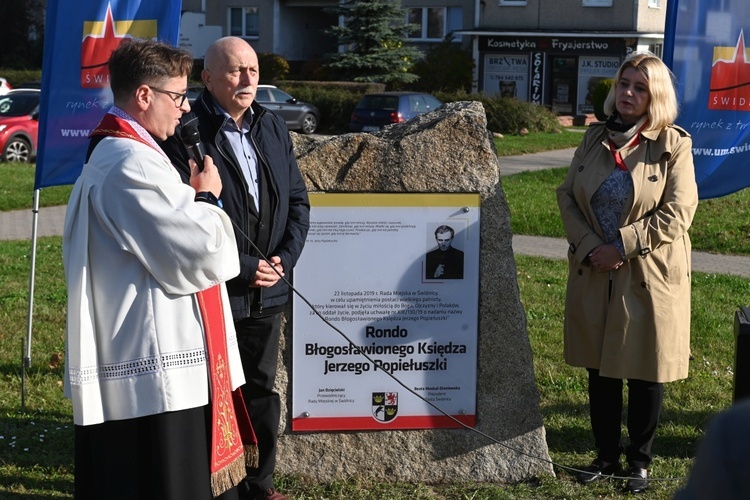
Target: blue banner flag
(707, 45)
(79, 37)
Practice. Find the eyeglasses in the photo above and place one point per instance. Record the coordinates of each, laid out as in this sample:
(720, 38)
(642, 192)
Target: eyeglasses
(179, 99)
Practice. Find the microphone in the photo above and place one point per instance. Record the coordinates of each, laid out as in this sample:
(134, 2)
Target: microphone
(192, 141)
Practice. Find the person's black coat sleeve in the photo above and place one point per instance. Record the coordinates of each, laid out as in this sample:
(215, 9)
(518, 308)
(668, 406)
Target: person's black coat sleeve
(298, 219)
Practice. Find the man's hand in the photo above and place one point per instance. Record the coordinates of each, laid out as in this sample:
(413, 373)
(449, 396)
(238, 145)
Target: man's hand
(266, 275)
(439, 270)
(206, 180)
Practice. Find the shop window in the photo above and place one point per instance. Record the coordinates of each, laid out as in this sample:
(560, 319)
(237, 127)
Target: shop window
(597, 3)
(564, 84)
(244, 22)
(434, 23)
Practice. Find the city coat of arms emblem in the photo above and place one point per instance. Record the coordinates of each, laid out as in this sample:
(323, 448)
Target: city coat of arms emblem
(384, 406)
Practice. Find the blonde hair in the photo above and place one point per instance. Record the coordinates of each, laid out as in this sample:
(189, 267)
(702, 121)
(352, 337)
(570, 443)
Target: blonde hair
(663, 107)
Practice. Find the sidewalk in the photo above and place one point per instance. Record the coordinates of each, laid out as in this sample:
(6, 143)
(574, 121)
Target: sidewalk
(510, 165)
(17, 225)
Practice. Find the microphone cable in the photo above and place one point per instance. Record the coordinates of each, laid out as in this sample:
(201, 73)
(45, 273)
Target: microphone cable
(411, 391)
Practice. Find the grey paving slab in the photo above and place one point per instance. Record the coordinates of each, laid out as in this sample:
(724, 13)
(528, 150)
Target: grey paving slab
(510, 165)
(17, 225)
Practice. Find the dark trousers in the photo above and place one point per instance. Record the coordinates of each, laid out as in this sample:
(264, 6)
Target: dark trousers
(258, 340)
(644, 409)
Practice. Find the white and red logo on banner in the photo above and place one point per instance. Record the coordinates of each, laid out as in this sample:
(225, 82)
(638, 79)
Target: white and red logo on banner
(704, 44)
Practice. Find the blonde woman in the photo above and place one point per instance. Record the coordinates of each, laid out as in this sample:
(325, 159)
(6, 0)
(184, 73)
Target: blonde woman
(626, 204)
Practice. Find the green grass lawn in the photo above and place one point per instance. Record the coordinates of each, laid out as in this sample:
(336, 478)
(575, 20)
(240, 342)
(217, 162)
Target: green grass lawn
(18, 188)
(535, 142)
(36, 453)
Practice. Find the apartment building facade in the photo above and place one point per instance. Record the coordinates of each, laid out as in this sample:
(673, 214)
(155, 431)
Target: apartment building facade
(295, 29)
(550, 52)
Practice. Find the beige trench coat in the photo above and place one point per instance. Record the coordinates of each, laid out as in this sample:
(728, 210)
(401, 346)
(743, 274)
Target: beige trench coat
(641, 330)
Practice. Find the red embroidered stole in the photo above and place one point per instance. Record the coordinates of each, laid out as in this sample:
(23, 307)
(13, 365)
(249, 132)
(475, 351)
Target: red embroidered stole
(233, 442)
(113, 125)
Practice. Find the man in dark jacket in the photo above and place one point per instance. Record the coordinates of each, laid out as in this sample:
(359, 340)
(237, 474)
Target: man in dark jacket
(265, 196)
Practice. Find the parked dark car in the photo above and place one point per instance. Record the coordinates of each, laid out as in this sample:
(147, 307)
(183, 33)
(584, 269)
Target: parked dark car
(30, 85)
(19, 124)
(298, 115)
(375, 111)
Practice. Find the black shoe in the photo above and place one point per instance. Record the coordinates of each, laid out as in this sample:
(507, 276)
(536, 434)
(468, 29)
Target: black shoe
(638, 481)
(599, 469)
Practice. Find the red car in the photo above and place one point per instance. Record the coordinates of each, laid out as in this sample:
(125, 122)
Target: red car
(19, 124)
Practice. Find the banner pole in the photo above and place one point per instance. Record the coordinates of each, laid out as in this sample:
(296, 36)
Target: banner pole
(29, 319)
(670, 29)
